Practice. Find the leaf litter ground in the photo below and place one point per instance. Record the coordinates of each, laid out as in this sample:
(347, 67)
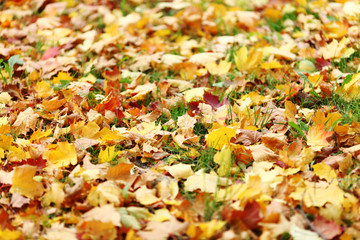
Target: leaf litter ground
(179, 119)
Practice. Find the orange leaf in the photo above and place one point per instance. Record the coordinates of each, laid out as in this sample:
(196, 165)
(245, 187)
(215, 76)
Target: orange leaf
(317, 137)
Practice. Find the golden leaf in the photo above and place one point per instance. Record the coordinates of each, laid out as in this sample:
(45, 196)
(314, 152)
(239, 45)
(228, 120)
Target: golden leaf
(220, 137)
(23, 182)
(43, 89)
(63, 155)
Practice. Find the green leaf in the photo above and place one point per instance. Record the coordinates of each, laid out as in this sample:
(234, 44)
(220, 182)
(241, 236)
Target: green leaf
(129, 221)
(346, 80)
(14, 59)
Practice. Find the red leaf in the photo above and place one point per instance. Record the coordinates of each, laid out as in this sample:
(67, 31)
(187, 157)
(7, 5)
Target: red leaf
(250, 216)
(111, 104)
(39, 163)
(194, 108)
(50, 53)
(213, 100)
(113, 75)
(321, 62)
(327, 228)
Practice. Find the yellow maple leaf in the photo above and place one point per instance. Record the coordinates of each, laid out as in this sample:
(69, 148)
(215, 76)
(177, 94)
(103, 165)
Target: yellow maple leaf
(329, 121)
(246, 60)
(316, 196)
(63, 155)
(146, 128)
(25, 121)
(108, 154)
(23, 182)
(161, 215)
(224, 159)
(54, 195)
(38, 134)
(220, 137)
(5, 98)
(62, 76)
(324, 171)
(204, 181)
(89, 78)
(104, 193)
(43, 89)
(218, 69)
(90, 130)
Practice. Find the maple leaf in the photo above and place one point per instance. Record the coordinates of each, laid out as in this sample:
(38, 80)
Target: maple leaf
(25, 121)
(205, 230)
(108, 154)
(324, 171)
(64, 76)
(220, 137)
(218, 69)
(328, 229)
(54, 195)
(317, 196)
(10, 234)
(317, 137)
(180, 170)
(23, 182)
(61, 155)
(104, 193)
(213, 100)
(246, 60)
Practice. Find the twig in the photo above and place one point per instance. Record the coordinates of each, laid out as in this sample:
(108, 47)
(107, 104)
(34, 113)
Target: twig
(310, 224)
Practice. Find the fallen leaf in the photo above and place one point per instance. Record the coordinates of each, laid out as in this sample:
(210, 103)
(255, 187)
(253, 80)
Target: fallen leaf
(224, 159)
(220, 137)
(62, 155)
(25, 121)
(23, 182)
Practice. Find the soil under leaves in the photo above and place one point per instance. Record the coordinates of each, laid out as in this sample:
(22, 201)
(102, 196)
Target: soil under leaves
(180, 119)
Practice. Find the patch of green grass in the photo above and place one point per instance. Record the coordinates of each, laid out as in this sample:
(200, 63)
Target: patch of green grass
(200, 130)
(92, 100)
(211, 207)
(206, 160)
(94, 153)
(178, 111)
(349, 110)
(260, 119)
(38, 47)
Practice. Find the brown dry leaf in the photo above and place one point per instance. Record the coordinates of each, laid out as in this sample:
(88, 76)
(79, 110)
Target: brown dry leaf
(158, 230)
(247, 137)
(262, 153)
(274, 140)
(25, 121)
